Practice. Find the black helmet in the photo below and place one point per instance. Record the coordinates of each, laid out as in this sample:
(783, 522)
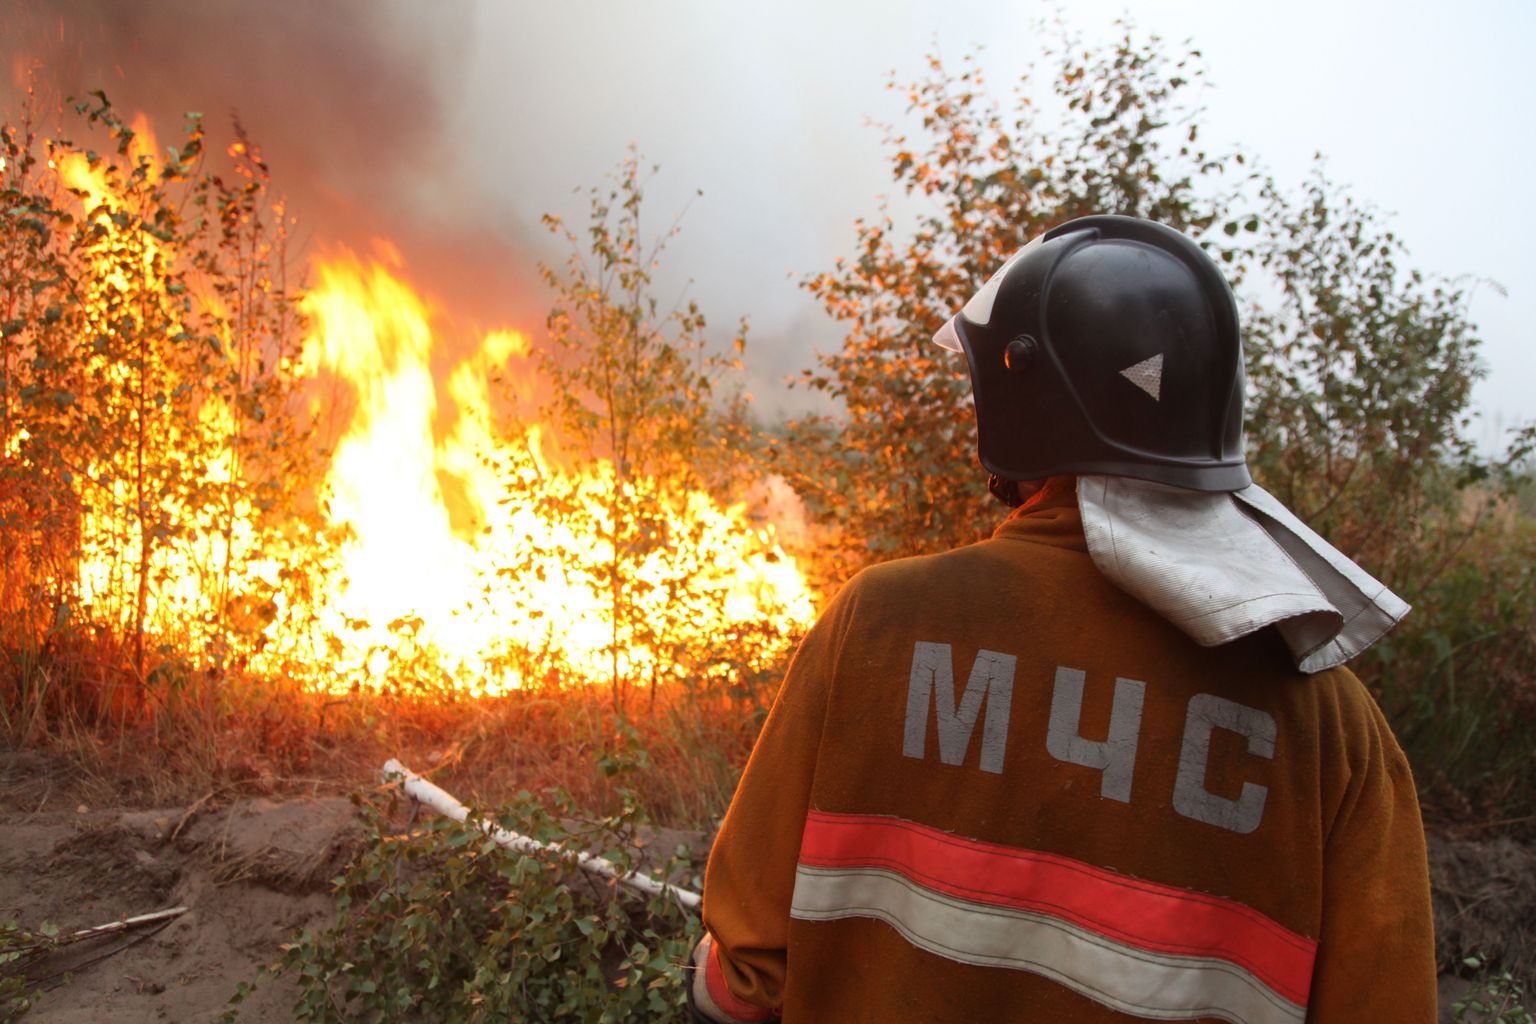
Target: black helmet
(1108, 345)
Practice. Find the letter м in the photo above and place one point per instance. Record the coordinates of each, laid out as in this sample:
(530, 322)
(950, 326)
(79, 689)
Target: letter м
(932, 682)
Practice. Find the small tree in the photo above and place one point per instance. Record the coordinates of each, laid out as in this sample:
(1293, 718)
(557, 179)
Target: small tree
(39, 385)
(1360, 373)
(149, 446)
(648, 443)
(259, 501)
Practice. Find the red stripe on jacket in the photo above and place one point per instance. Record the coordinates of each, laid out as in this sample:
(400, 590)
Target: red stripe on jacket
(1148, 915)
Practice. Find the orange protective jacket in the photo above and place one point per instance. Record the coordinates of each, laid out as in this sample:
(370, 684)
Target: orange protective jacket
(994, 788)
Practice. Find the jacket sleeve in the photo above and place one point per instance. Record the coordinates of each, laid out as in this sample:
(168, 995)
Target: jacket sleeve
(1376, 950)
(750, 880)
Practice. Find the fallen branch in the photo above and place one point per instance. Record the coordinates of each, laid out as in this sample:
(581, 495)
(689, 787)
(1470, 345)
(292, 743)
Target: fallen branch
(126, 924)
(123, 925)
(160, 919)
(444, 803)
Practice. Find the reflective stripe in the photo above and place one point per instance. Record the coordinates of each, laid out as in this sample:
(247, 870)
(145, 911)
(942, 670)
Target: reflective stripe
(1141, 947)
(1145, 984)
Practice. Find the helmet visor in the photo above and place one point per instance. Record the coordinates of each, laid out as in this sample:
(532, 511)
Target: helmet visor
(948, 336)
(979, 309)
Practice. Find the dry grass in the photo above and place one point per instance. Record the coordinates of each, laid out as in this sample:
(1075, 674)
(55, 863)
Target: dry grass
(189, 736)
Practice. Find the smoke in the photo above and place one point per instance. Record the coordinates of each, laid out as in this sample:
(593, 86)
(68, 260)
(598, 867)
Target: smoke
(348, 100)
(450, 128)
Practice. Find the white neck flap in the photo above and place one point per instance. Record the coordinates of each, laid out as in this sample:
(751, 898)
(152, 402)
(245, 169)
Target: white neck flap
(1223, 565)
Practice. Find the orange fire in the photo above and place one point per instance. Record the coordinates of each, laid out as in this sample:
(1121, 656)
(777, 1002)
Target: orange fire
(409, 556)
(439, 548)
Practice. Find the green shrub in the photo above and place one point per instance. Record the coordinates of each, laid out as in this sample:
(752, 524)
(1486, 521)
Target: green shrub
(19, 947)
(442, 924)
(1496, 997)
(1458, 679)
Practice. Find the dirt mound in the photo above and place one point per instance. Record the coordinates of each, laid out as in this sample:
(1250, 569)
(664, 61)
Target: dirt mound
(1485, 903)
(293, 847)
(250, 875)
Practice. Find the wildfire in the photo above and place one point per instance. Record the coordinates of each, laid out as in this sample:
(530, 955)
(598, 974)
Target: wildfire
(456, 539)
(482, 572)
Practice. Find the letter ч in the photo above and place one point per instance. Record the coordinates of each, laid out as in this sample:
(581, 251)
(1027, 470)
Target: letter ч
(1115, 756)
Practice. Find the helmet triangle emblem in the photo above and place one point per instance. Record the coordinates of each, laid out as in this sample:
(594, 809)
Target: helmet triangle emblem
(1147, 375)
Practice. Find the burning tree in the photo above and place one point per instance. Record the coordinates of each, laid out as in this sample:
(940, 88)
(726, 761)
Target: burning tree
(145, 377)
(692, 592)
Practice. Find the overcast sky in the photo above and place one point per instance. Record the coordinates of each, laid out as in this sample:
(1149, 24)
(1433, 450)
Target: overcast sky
(451, 126)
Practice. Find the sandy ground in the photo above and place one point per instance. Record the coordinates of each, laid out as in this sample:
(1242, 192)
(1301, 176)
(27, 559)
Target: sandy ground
(252, 872)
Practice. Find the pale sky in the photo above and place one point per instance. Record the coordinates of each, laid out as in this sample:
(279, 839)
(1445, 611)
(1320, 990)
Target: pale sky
(1417, 107)
(452, 125)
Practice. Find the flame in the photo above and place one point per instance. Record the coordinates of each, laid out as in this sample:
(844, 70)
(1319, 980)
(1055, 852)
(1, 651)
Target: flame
(454, 536)
(83, 175)
(485, 572)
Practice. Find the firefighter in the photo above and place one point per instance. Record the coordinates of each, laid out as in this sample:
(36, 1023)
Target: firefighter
(1107, 765)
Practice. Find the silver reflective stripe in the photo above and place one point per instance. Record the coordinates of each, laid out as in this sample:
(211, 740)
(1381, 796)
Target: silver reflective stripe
(1144, 983)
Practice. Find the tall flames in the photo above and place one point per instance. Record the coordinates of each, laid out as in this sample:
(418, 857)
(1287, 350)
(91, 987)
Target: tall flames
(436, 545)
(395, 478)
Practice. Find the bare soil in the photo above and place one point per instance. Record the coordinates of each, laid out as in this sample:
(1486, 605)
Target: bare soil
(251, 873)
(254, 871)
